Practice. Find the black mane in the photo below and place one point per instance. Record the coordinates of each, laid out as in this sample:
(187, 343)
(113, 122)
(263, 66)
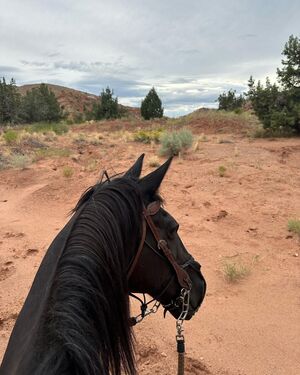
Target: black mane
(85, 328)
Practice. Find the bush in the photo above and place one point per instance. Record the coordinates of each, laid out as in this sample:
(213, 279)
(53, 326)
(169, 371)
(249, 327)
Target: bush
(222, 170)
(294, 226)
(151, 106)
(68, 172)
(172, 143)
(10, 137)
(146, 136)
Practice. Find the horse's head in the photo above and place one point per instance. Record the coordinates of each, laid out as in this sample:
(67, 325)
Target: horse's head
(162, 266)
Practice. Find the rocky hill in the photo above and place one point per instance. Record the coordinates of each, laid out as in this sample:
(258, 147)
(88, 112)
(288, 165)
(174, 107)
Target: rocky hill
(74, 101)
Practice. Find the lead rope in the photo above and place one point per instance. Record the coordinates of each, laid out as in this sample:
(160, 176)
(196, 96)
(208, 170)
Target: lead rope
(185, 296)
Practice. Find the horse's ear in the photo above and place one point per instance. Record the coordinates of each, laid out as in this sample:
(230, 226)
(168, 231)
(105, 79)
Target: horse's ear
(136, 169)
(150, 183)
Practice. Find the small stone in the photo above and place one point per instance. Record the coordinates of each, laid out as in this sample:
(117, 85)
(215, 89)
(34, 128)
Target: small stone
(296, 255)
(163, 354)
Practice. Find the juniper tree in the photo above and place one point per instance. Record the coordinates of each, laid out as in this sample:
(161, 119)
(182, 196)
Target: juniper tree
(151, 106)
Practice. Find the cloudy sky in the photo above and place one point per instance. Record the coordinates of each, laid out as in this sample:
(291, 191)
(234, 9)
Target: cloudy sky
(191, 51)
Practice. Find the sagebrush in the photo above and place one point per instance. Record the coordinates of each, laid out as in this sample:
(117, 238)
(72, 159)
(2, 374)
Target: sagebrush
(173, 143)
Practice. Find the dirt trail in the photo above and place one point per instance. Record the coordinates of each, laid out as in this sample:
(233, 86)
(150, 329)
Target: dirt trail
(250, 327)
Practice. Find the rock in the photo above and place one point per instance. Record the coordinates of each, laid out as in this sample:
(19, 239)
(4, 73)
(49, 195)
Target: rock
(221, 215)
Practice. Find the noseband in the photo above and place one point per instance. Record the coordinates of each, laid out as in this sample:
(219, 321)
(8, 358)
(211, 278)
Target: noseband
(166, 254)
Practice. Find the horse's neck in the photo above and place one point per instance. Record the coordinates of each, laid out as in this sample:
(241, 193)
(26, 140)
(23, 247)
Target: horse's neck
(87, 295)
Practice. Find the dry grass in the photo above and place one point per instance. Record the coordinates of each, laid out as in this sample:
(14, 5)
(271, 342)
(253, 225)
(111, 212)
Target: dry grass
(92, 165)
(19, 161)
(234, 272)
(294, 226)
(52, 153)
(154, 161)
(68, 171)
(10, 137)
(222, 170)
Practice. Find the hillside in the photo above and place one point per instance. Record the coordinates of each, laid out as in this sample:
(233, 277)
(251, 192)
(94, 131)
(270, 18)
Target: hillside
(74, 101)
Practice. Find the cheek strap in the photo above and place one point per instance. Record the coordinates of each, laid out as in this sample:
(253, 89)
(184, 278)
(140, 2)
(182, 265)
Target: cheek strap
(182, 276)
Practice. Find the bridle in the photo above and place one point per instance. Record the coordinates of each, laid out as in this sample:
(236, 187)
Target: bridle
(183, 300)
(166, 254)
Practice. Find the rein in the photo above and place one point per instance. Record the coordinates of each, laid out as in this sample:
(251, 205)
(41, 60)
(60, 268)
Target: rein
(182, 277)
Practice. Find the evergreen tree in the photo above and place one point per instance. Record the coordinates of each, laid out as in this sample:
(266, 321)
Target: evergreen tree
(229, 101)
(107, 107)
(289, 75)
(279, 107)
(9, 102)
(151, 106)
(40, 104)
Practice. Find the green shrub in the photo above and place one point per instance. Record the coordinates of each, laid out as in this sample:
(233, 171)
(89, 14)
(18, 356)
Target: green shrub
(294, 226)
(68, 172)
(222, 170)
(10, 137)
(172, 143)
(146, 136)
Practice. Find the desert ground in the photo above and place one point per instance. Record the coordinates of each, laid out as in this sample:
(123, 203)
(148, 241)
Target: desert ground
(247, 326)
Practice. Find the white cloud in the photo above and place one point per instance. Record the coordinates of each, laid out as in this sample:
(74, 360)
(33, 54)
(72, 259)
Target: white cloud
(190, 51)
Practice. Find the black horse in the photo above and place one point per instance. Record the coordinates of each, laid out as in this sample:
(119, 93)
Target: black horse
(120, 240)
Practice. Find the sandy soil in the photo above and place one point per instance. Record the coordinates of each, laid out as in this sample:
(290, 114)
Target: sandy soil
(250, 327)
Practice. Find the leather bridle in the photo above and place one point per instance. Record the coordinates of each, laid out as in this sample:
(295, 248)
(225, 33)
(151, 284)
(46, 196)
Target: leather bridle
(164, 252)
(149, 211)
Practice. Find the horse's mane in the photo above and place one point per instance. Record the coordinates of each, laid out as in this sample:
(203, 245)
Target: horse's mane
(85, 328)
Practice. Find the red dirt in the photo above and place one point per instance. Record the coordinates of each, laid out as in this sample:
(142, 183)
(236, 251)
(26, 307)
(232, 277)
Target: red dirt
(249, 327)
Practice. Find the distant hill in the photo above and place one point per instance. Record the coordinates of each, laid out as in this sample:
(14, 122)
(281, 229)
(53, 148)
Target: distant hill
(73, 101)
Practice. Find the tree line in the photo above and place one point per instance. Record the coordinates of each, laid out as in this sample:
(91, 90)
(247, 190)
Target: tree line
(277, 105)
(40, 104)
